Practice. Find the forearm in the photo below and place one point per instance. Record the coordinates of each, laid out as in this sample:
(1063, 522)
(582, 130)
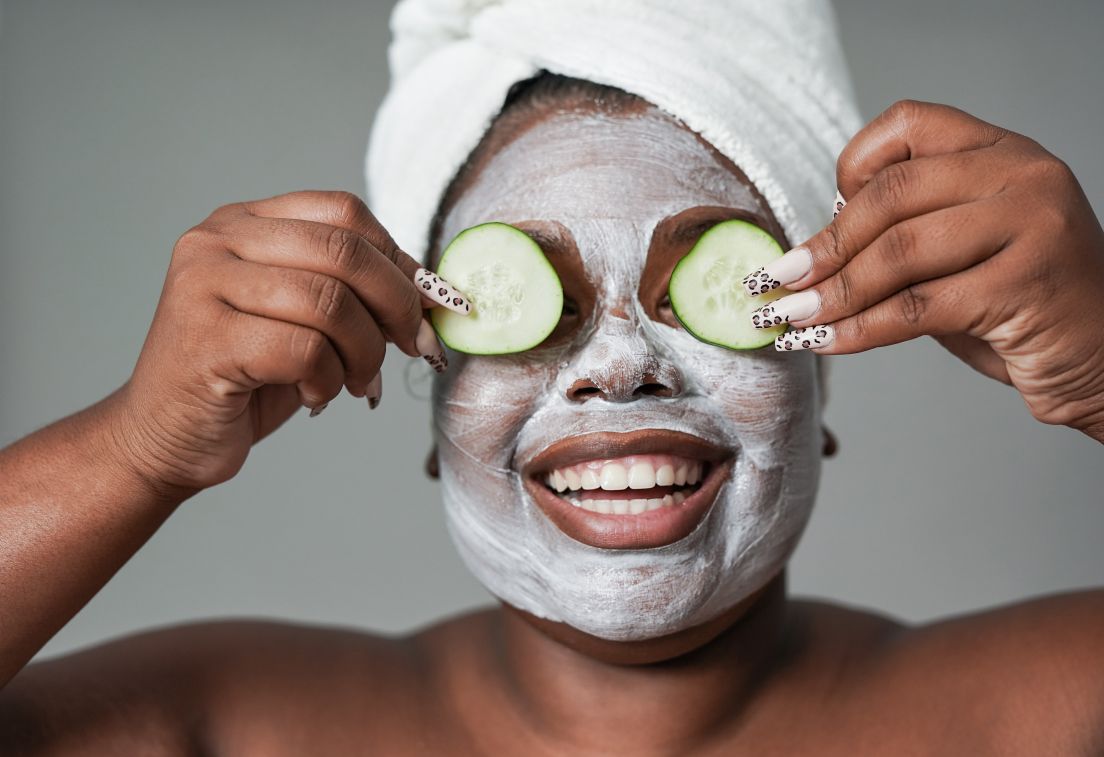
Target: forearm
(72, 512)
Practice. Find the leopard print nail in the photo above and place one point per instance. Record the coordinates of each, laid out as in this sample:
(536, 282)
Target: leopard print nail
(441, 292)
(839, 205)
(759, 281)
(809, 337)
(767, 317)
(438, 363)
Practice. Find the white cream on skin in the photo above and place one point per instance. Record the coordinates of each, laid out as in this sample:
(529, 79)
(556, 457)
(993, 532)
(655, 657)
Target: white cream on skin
(610, 180)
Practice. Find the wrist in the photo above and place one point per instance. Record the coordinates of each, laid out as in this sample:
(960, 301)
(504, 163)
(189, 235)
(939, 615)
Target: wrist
(119, 446)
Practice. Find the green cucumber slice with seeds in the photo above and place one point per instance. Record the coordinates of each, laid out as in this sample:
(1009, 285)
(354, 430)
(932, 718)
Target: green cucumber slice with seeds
(516, 296)
(707, 292)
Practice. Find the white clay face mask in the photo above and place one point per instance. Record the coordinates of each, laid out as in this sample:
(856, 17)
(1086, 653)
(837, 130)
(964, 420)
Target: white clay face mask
(609, 180)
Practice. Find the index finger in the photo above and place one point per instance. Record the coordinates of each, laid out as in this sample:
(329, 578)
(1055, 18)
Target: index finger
(342, 209)
(910, 129)
(347, 211)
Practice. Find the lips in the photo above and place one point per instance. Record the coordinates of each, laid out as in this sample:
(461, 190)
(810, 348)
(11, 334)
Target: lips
(634, 490)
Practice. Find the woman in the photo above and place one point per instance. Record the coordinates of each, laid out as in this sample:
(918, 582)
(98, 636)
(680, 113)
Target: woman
(617, 633)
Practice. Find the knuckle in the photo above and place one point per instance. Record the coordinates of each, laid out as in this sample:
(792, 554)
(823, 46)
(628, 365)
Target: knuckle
(1048, 171)
(842, 291)
(913, 305)
(857, 328)
(330, 297)
(892, 185)
(347, 207)
(410, 305)
(905, 111)
(199, 237)
(898, 244)
(308, 347)
(847, 164)
(344, 250)
(833, 248)
(230, 210)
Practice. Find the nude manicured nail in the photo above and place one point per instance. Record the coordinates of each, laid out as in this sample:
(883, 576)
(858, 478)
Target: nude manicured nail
(792, 307)
(785, 270)
(429, 348)
(442, 292)
(839, 205)
(374, 391)
(426, 341)
(808, 338)
(317, 411)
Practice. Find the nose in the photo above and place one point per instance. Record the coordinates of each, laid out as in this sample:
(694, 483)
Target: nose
(618, 390)
(622, 367)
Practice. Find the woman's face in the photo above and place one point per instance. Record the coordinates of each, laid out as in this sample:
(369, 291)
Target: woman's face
(619, 392)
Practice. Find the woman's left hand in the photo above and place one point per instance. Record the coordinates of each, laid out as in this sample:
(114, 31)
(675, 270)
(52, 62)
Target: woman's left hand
(967, 232)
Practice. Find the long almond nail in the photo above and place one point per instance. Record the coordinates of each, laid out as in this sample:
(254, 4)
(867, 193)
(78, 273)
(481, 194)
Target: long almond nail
(792, 307)
(439, 363)
(808, 338)
(442, 292)
(839, 205)
(317, 411)
(780, 272)
(429, 348)
(374, 391)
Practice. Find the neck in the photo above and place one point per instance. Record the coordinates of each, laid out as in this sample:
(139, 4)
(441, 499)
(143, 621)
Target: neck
(570, 692)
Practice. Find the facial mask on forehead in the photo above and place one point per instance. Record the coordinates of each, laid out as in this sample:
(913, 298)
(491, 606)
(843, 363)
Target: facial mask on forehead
(764, 81)
(609, 181)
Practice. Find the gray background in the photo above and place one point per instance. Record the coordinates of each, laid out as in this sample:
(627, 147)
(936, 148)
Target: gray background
(124, 123)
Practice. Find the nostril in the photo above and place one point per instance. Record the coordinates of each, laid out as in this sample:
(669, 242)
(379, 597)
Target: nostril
(583, 390)
(652, 385)
(653, 390)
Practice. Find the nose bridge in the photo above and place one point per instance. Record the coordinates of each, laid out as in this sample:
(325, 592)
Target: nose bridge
(620, 364)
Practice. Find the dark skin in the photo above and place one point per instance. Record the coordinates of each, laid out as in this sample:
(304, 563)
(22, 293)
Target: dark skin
(772, 675)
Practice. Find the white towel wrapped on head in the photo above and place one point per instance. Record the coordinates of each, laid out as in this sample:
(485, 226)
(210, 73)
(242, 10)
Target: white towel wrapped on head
(764, 81)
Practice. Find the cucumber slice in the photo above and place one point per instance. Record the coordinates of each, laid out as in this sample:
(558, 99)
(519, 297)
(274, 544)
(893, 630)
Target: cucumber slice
(707, 292)
(516, 296)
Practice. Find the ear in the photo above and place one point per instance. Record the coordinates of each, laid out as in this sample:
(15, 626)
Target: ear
(431, 468)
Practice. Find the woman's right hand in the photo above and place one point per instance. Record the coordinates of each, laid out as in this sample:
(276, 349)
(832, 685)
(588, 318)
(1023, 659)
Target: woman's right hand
(267, 306)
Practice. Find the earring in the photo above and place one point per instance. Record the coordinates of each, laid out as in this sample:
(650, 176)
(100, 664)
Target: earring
(831, 444)
(431, 467)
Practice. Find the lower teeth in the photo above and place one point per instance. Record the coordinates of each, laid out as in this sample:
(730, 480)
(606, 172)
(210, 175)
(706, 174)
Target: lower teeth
(629, 506)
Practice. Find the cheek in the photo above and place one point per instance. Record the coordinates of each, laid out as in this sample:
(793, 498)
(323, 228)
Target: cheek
(773, 404)
(481, 404)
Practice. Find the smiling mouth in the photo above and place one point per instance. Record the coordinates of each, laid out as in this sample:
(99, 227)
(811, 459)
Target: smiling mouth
(629, 485)
(632, 490)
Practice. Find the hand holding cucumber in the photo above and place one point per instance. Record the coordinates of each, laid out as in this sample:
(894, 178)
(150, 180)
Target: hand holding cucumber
(268, 306)
(964, 231)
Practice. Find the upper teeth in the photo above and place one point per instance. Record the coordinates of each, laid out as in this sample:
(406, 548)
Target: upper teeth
(626, 473)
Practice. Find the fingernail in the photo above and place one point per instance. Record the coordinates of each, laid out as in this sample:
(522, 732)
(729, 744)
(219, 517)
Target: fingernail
(438, 363)
(784, 270)
(426, 342)
(374, 391)
(442, 292)
(792, 307)
(429, 348)
(810, 337)
(317, 411)
(839, 205)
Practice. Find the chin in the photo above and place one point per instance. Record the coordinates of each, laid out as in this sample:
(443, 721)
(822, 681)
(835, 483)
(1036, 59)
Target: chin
(698, 639)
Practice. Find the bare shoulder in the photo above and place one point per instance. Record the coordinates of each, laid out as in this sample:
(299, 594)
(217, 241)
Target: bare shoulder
(1048, 650)
(209, 688)
(1023, 678)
